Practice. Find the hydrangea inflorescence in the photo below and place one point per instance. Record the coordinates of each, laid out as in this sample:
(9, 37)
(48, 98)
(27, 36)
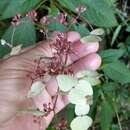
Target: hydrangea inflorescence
(78, 86)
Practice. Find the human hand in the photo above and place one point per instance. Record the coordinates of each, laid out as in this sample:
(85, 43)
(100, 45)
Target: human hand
(14, 83)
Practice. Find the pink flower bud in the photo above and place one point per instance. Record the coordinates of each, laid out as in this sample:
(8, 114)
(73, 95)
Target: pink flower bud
(16, 19)
(32, 15)
(44, 20)
(80, 9)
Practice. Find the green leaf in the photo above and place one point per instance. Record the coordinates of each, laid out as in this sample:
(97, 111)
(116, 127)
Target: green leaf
(3, 5)
(66, 82)
(70, 113)
(99, 13)
(128, 28)
(106, 116)
(111, 55)
(13, 7)
(117, 71)
(56, 26)
(24, 33)
(4, 51)
(109, 87)
(111, 2)
(116, 33)
(71, 4)
(81, 29)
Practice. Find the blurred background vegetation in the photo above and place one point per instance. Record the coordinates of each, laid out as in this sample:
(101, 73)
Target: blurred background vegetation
(25, 22)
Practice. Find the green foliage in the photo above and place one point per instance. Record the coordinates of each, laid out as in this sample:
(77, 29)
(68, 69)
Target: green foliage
(106, 115)
(98, 12)
(117, 71)
(56, 26)
(12, 7)
(24, 33)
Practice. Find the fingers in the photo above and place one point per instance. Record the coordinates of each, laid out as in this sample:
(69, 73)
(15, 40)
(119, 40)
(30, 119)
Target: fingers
(73, 36)
(79, 49)
(43, 98)
(90, 62)
(43, 47)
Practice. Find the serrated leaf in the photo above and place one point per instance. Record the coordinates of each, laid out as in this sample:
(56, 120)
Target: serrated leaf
(90, 38)
(56, 26)
(98, 32)
(111, 55)
(36, 89)
(82, 109)
(13, 7)
(117, 71)
(24, 33)
(66, 82)
(81, 29)
(99, 13)
(81, 123)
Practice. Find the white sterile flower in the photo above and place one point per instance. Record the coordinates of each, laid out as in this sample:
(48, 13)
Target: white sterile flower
(82, 109)
(77, 95)
(36, 89)
(85, 86)
(81, 123)
(3, 42)
(66, 82)
(15, 50)
(89, 75)
(98, 31)
(90, 39)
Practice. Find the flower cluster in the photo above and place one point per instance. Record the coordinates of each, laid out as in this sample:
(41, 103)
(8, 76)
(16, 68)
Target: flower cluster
(17, 18)
(55, 65)
(80, 92)
(77, 86)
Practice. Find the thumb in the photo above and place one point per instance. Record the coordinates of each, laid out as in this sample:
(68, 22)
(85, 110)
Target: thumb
(42, 49)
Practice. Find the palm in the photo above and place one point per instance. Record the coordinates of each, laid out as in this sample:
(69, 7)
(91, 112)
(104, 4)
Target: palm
(14, 73)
